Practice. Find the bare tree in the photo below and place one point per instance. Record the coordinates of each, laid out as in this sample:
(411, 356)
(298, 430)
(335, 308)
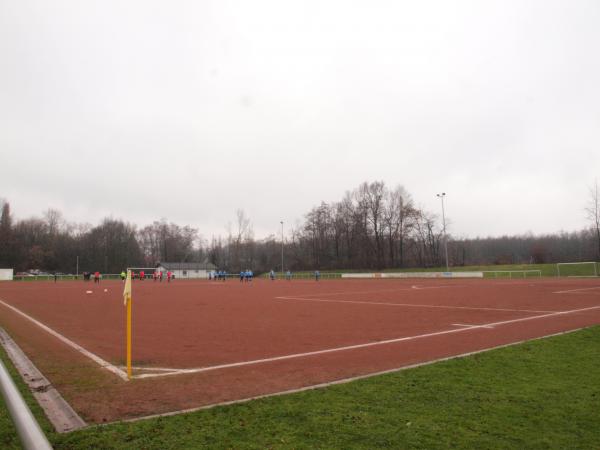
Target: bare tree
(593, 213)
(164, 241)
(398, 217)
(318, 228)
(239, 242)
(427, 245)
(7, 250)
(54, 221)
(111, 246)
(216, 253)
(347, 211)
(372, 197)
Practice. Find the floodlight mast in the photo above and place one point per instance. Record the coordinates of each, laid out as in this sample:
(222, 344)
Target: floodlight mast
(281, 249)
(441, 196)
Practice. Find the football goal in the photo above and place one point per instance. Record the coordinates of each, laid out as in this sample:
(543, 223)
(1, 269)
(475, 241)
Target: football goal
(148, 271)
(577, 269)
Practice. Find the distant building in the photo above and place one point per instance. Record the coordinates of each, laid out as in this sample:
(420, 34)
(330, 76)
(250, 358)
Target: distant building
(183, 270)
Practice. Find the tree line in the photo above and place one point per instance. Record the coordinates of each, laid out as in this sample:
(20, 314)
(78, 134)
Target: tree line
(373, 227)
(50, 243)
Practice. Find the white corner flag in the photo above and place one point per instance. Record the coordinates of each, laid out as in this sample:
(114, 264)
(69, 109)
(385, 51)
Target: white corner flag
(127, 302)
(127, 289)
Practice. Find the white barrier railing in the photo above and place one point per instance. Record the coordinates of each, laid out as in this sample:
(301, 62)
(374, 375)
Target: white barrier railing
(303, 276)
(414, 275)
(509, 273)
(31, 435)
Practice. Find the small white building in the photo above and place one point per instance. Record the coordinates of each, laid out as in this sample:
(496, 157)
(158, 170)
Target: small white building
(186, 270)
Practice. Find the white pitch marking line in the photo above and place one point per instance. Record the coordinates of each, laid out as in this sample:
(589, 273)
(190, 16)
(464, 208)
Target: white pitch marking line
(470, 325)
(102, 363)
(345, 380)
(420, 288)
(156, 369)
(357, 346)
(576, 290)
(297, 355)
(557, 313)
(325, 294)
(413, 305)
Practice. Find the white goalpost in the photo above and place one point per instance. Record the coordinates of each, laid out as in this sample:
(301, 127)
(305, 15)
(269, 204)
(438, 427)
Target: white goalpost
(577, 269)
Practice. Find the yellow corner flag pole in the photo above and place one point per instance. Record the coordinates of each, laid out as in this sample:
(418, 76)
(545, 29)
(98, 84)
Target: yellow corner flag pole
(127, 303)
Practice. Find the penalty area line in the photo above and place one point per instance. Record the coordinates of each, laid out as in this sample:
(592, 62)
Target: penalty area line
(101, 362)
(570, 291)
(336, 382)
(467, 325)
(359, 346)
(414, 305)
(377, 291)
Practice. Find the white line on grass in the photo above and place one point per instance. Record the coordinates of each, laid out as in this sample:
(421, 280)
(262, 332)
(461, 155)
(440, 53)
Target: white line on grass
(412, 305)
(102, 363)
(358, 346)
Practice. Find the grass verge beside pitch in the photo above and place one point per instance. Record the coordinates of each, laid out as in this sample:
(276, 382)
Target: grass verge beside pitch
(540, 394)
(9, 440)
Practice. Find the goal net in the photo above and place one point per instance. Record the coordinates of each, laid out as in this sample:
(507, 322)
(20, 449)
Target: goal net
(578, 269)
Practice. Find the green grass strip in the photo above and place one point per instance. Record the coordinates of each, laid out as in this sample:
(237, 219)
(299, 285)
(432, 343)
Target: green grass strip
(543, 394)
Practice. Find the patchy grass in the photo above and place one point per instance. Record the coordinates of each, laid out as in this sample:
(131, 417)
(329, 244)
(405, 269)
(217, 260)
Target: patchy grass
(542, 394)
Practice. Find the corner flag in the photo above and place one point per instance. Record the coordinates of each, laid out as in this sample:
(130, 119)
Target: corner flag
(127, 303)
(127, 290)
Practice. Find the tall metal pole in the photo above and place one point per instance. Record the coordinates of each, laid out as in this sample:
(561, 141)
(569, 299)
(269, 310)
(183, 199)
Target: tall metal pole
(282, 249)
(441, 196)
(77, 268)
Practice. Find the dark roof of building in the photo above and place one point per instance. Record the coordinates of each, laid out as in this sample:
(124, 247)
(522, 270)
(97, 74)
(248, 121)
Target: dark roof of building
(187, 265)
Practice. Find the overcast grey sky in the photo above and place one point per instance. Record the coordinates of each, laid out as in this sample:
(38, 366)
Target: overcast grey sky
(189, 110)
